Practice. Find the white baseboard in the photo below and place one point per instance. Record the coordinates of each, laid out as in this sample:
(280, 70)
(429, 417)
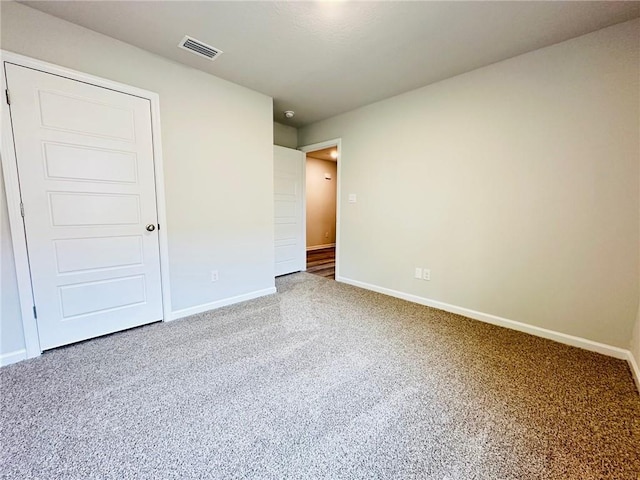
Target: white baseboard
(635, 369)
(579, 342)
(13, 357)
(185, 312)
(320, 247)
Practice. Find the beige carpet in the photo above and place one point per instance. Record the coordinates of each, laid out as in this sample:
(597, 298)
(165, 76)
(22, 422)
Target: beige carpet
(321, 381)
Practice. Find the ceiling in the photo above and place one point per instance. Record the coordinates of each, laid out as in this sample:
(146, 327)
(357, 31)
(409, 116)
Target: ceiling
(325, 58)
(324, 154)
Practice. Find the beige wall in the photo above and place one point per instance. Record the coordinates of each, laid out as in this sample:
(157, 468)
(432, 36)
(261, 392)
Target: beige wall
(516, 184)
(217, 141)
(284, 135)
(321, 202)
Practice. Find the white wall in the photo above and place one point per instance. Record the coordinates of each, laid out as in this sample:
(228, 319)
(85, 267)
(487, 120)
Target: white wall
(11, 335)
(285, 135)
(217, 141)
(321, 201)
(516, 184)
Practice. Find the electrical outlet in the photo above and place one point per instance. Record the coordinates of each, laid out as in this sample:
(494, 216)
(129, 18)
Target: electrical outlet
(326, 234)
(214, 275)
(426, 274)
(418, 273)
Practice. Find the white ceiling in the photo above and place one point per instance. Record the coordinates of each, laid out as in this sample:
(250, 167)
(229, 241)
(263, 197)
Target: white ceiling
(324, 154)
(324, 58)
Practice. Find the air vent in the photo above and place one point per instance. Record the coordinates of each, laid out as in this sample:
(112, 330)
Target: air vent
(199, 48)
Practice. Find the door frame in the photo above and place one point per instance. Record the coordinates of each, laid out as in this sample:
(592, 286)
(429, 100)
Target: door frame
(12, 189)
(337, 142)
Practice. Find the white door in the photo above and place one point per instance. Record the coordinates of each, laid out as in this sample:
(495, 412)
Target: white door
(288, 181)
(85, 165)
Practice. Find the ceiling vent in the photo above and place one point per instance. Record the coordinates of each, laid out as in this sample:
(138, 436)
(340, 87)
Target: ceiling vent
(199, 48)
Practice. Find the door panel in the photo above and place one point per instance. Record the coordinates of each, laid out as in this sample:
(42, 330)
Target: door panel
(86, 115)
(80, 163)
(92, 297)
(93, 209)
(75, 255)
(288, 181)
(85, 165)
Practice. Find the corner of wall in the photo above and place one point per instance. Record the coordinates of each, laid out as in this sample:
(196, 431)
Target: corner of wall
(285, 135)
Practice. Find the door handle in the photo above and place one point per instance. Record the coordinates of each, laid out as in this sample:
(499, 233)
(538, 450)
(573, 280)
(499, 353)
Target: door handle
(151, 227)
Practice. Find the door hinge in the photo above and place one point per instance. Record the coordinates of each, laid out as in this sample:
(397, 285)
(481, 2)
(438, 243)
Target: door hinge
(6, 93)
(35, 314)
(22, 209)
(158, 227)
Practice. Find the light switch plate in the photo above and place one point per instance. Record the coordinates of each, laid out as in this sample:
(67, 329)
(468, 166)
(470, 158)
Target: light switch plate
(352, 198)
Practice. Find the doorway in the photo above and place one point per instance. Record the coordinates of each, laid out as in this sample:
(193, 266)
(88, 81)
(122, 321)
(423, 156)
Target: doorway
(321, 179)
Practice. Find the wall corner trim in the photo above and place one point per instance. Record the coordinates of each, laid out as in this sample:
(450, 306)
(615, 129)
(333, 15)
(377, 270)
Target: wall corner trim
(564, 338)
(12, 357)
(205, 307)
(635, 369)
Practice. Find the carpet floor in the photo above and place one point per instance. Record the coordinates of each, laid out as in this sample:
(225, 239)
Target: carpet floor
(320, 381)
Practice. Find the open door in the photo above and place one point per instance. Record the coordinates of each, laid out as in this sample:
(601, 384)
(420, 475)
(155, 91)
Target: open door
(288, 188)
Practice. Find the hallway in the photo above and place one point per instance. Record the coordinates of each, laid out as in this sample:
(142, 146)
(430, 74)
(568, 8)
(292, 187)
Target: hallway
(322, 262)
